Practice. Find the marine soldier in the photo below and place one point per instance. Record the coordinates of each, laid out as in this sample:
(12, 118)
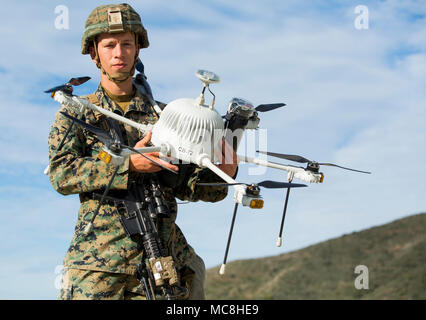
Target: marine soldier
(103, 263)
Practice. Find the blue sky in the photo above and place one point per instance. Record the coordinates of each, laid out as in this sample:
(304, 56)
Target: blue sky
(354, 97)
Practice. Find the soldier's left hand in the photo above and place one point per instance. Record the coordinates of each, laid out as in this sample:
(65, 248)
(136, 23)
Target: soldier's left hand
(141, 164)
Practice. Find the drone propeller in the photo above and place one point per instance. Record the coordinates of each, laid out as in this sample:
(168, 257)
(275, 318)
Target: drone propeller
(78, 81)
(269, 107)
(67, 87)
(107, 139)
(266, 184)
(260, 108)
(101, 134)
(301, 159)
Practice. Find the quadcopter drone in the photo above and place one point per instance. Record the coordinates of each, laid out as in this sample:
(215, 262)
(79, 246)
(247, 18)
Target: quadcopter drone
(191, 131)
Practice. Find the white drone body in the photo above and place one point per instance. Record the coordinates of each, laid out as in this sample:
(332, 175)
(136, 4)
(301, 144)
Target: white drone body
(192, 131)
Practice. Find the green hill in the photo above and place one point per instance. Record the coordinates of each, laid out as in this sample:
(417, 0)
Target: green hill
(395, 255)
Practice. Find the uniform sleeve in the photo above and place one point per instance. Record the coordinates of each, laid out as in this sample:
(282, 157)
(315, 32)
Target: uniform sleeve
(189, 191)
(75, 168)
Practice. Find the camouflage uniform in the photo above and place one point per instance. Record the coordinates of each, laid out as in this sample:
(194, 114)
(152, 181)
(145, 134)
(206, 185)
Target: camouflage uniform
(107, 249)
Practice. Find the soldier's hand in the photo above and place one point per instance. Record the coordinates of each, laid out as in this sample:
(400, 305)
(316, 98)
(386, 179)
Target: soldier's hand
(141, 164)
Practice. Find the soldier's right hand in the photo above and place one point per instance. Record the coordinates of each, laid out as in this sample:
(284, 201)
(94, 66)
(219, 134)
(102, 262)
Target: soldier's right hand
(141, 164)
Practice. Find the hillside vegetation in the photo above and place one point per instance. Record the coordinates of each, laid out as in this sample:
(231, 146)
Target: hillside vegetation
(395, 255)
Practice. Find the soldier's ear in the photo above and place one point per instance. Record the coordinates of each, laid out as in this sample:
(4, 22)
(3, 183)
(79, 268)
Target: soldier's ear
(93, 50)
(95, 57)
(92, 53)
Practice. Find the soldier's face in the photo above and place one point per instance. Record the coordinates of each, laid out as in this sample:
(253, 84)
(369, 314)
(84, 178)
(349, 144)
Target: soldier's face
(117, 52)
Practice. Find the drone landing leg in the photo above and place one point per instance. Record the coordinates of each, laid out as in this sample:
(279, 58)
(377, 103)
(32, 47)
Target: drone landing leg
(279, 241)
(222, 268)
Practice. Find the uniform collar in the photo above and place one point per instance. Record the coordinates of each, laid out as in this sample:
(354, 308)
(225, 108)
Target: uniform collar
(138, 103)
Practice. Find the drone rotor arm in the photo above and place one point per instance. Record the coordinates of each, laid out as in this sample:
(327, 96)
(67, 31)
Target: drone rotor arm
(293, 171)
(77, 101)
(269, 164)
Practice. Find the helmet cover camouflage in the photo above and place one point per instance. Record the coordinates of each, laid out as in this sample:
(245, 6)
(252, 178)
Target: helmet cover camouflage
(113, 18)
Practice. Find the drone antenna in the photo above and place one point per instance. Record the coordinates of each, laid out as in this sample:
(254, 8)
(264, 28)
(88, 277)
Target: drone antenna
(206, 78)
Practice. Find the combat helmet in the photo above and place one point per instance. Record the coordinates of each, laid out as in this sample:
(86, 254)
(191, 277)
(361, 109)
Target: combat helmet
(113, 18)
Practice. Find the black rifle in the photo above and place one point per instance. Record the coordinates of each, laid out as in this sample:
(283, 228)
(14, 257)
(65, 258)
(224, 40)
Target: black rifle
(139, 210)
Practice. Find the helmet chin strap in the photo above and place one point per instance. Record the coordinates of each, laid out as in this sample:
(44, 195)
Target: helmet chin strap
(119, 77)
